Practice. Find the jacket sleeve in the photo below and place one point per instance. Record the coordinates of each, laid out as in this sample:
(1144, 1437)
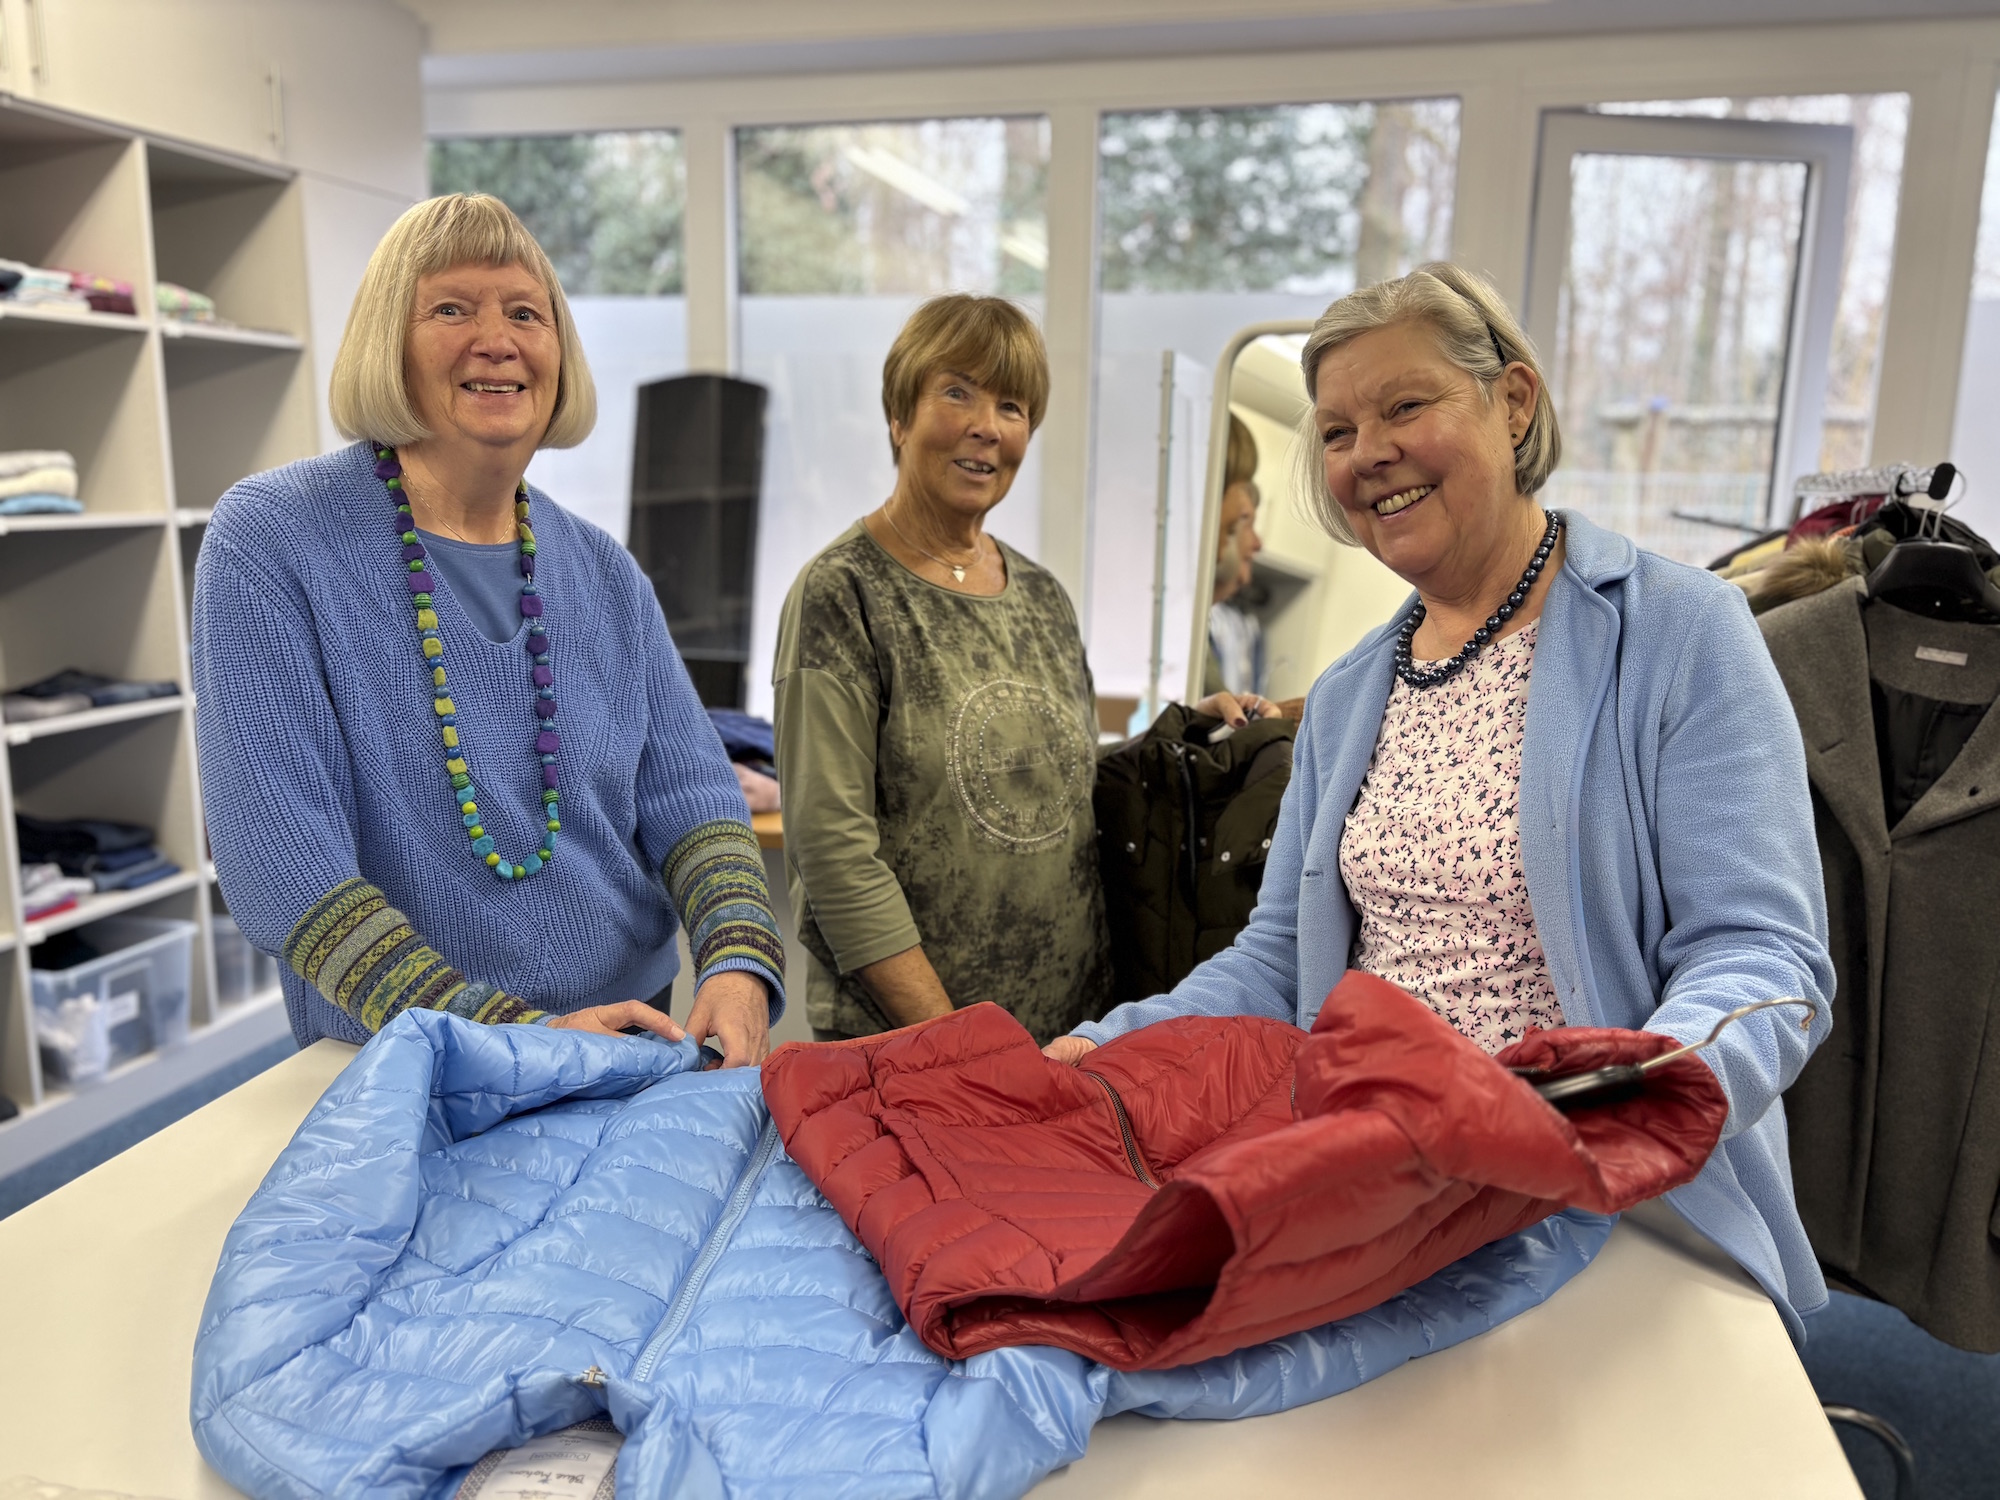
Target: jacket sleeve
(826, 764)
(1739, 865)
(278, 795)
(1257, 975)
(694, 826)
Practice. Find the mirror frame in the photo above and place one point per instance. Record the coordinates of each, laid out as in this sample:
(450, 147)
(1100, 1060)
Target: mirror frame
(1211, 502)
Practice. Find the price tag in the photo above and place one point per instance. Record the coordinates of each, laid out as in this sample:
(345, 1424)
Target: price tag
(578, 1463)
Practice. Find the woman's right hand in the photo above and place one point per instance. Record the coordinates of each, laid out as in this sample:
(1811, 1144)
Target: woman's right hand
(613, 1019)
(1069, 1049)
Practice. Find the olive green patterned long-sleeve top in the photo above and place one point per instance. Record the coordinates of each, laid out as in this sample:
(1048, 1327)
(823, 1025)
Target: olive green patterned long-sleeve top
(937, 752)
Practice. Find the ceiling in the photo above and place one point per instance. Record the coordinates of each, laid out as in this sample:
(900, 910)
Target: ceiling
(502, 43)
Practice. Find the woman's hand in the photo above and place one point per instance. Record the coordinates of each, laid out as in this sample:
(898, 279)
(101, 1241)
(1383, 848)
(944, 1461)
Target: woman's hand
(735, 1009)
(1069, 1049)
(1236, 709)
(613, 1019)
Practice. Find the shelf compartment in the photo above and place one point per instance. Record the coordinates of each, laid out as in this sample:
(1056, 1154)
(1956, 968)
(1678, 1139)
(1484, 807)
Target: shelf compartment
(232, 232)
(132, 771)
(108, 904)
(88, 386)
(90, 520)
(95, 718)
(234, 408)
(100, 599)
(75, 198)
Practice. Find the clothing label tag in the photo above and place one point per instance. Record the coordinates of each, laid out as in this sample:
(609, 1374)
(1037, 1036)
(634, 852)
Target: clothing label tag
(1942, 657)
(578, 1463)
(121, 1007)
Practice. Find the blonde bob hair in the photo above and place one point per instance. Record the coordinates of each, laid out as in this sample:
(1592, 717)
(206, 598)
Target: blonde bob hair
(986, 339)
(369, 396)
(1475, 330)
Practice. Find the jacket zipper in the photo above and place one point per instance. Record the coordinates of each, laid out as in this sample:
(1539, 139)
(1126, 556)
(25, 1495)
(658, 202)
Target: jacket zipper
(718, 1241)
(1124, 1129)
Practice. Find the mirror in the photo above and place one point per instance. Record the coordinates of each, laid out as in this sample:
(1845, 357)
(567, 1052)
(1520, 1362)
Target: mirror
(1279, 599)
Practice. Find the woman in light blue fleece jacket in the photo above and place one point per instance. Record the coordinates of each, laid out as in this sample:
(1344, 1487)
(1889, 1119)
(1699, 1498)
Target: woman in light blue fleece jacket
(1593, 812)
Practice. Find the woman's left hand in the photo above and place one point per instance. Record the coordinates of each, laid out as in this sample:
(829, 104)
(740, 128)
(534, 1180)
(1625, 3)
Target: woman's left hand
(1236, 709)
(735, 1009)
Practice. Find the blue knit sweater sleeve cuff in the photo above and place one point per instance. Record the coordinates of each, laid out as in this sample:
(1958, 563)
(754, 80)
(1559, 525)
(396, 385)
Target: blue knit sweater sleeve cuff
(715, 879)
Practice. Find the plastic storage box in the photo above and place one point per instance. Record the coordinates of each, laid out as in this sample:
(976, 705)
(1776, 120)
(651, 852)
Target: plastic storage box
(235, 960)
(92, 1016)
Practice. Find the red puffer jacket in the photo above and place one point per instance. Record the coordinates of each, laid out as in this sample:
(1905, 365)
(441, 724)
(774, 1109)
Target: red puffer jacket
(1204, 1184)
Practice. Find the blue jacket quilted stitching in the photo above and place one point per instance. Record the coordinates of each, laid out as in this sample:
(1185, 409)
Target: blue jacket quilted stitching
(477, 1225)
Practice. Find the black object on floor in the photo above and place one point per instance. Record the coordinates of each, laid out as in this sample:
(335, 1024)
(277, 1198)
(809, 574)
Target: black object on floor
(1944, 1401)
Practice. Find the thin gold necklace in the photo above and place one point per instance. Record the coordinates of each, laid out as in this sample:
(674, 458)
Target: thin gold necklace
(957, 570)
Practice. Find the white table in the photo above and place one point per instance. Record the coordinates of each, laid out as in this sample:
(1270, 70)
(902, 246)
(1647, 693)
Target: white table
(1655, 1373)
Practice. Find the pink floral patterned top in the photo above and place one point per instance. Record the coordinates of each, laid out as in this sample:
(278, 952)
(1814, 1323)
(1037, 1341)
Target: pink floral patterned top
(1431, 853)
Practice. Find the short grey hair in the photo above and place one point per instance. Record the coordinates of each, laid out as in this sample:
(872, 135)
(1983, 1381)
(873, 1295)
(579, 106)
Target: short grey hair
(367, 394)
(1475, 331)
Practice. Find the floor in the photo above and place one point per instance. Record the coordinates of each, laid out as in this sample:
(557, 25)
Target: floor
(1945, 1402)
(21, 1188)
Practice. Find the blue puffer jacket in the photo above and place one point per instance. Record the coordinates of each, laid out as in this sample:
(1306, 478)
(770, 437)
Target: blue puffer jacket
(483, 1234)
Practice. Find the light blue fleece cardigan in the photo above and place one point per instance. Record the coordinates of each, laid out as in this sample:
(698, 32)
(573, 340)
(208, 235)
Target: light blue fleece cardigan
(1667, 836)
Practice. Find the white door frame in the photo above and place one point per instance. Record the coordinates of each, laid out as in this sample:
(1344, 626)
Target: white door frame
(1826, 152)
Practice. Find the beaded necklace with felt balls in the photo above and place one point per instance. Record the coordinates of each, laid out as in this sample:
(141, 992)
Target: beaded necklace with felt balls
(464, 794)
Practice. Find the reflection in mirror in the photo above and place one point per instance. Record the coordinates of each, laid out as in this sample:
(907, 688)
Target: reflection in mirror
(1281, 599)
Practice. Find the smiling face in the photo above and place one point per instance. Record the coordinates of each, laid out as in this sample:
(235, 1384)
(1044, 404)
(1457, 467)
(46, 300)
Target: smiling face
(962, 446)
(1421, 457)
(483, 357)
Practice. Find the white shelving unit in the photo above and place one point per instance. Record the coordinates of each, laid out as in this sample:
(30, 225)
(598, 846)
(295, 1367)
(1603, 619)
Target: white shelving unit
(162, 417)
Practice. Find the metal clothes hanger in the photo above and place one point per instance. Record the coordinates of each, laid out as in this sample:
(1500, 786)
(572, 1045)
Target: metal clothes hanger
(1621, 1081)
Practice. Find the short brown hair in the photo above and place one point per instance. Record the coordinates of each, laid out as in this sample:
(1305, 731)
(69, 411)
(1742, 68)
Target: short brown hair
(367, 393)
(1475, 331)
(988, 339)
(1239, 463)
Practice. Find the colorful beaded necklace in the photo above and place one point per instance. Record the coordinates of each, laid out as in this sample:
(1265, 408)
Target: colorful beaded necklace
(463, 793)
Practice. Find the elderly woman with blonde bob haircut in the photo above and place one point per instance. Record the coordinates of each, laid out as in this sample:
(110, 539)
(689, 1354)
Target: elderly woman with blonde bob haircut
(1562, 787)
(420, 682)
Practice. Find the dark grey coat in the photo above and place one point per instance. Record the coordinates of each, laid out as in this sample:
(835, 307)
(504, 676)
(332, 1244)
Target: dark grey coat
(1895, 1122)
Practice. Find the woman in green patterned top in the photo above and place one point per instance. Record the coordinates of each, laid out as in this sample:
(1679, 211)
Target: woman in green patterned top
(936, 720)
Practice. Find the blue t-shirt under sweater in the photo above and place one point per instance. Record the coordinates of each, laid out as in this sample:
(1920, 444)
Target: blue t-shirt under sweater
(485, 578)
(322, 762)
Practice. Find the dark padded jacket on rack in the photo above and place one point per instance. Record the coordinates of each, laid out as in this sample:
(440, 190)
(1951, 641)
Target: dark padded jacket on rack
(1208, 1183)
(1895, 1122)
(1183, 828)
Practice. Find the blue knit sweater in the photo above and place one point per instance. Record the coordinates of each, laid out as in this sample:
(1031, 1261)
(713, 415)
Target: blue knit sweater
(337, 839)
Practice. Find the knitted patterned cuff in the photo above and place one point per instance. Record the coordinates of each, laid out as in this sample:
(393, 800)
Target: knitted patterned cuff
(363, 955)
(715, 879)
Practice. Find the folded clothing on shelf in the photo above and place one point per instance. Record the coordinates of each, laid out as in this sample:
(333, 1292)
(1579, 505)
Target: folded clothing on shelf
(103, 293)
(45, 890)
(110, 856)
(38, 481)
(183, 304)
(42, 286)
(57, 695)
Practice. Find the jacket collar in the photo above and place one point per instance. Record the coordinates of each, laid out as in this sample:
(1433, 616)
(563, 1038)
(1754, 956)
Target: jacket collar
(1821, 649)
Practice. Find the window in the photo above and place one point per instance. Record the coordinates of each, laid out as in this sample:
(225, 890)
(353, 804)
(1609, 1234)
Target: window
(1671, 361)
(607, 209)
(1210, 220)
(843, 230)
(1975, 437)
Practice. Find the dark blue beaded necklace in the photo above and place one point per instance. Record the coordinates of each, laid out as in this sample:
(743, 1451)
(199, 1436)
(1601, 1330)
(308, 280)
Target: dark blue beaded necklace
(464, 794)
(1451, 666)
